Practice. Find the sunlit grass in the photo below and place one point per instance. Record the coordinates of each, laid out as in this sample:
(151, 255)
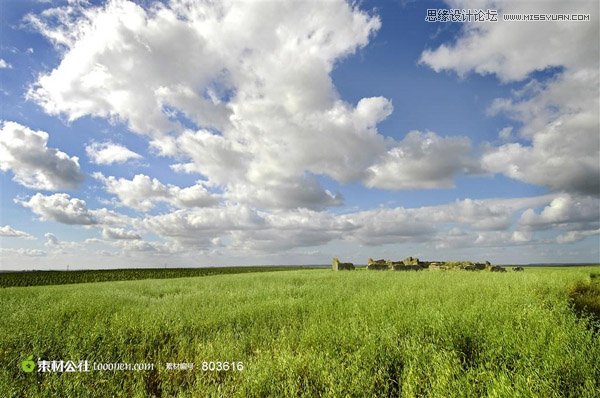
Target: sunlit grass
(41, 278)
(309, 333)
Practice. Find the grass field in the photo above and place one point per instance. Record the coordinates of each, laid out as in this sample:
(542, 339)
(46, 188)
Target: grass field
(308, 333)
(40, 278)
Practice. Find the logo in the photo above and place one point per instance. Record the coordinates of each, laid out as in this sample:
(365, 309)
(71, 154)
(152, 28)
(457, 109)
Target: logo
(28, 365)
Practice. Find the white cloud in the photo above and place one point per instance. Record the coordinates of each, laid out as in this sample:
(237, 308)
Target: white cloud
(119, 234)
(252, 109)
(498, 48)
(142, 192)
(559, 118)
(213, 155)
(51, 240)
(453, 238)
(109, 217)
(562, 211)
(421, 160)
(303, 192)
(266, 113)
(56, 246)
(60, 25)
(243, 229)
(477, 214)
(458, 238)
(135, 246)
(561, 121)
(575, 236)
(61, 208)
(109, 153)
(382, 226)
(466, 222)
(506, 133)
(188, 168)
(291, 229)
(25, 152)
(503, 238)
(10, 232)
(199, 226)
(521, 236)
(4, 64)
(7, 252)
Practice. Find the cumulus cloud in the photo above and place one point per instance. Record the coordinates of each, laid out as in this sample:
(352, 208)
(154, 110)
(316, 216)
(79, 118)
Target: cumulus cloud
(292, 229)
(262, 122)
(561, 122)
(60, 25)
(499, 48)
(51, 240)
(199, 226)
(477, 214)
(112, 218)
(241, 228)
(109, 153)
(142, 192)
(562, 211)
(502, 239)
(266, 117)
(237, 228)
(25, 152)
(422, 160)
(457, 238)
(382, 226)
(576, 236)
(93, 80)
(9, 232)
(4, 64)
(465, 222)
(61, 208)
(213, 155)
(559, 144)
(133, 246)
(119, 234)
(57, 246)
(5, 252)
(302, 192)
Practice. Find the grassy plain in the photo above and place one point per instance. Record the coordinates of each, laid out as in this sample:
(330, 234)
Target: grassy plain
(308, 333)
(41, 278)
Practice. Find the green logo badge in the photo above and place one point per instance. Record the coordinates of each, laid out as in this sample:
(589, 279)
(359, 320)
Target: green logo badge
(28, 365)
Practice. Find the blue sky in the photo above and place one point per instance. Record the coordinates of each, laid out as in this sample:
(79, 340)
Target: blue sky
(141, 134)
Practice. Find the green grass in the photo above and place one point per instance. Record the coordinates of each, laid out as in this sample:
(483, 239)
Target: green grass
(39, 278)
(308, 333)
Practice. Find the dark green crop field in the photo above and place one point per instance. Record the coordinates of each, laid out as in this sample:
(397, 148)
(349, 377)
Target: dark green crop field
(309, 333)
(39, 278)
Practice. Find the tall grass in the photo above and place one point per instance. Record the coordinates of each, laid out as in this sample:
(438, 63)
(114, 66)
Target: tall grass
(308, 333)
(42, 278)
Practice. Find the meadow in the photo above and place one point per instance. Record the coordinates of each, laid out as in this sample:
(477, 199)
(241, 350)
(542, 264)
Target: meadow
(309, 333)
(40, 278)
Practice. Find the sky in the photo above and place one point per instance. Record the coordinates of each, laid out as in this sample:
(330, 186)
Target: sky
(191, 133)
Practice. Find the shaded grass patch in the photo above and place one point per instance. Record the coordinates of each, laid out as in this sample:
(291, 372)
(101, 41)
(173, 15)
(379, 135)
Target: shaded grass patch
(585, 297)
